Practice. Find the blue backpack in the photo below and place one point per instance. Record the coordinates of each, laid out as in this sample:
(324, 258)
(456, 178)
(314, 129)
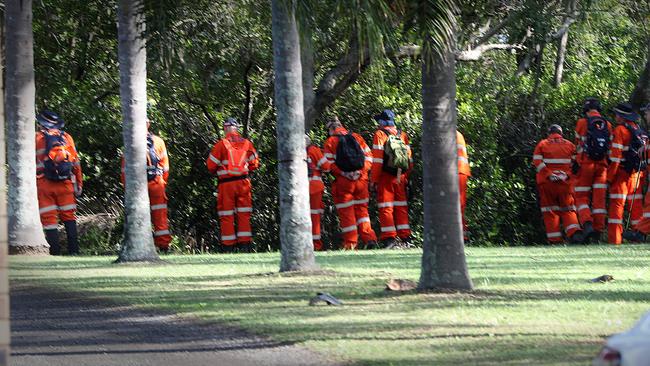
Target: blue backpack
(57, 163)
(633, 156)
(153, 160)
(597, 142)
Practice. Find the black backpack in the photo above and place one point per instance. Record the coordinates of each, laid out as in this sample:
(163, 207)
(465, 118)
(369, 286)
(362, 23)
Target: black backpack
(153, 170)
(57, 164)
(349, 155)
(597, 142)
(633, 156)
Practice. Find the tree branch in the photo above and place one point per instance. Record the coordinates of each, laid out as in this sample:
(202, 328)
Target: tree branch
(476, 53)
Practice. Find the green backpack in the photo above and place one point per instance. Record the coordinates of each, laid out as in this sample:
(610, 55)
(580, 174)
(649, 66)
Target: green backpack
(396, 153)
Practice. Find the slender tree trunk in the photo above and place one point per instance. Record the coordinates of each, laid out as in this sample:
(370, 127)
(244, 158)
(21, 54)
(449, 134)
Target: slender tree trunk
(443, 259)
(25, 229)
(307, 64)
(138, 240)
(295, 227)
(641, 93)
(562, 45)
(4, 263)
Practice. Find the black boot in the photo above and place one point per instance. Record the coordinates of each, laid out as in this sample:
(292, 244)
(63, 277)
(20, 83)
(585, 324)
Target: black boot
(52, 237)
(73, 238)
(577, 238)
(245, 247)
(226, 249)
(389, 243)
(588, 232)
(372, 245)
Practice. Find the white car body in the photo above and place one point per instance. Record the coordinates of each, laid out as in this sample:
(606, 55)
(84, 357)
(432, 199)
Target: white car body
(632, 345)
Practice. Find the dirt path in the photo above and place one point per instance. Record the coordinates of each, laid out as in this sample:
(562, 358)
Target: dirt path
(51, 328)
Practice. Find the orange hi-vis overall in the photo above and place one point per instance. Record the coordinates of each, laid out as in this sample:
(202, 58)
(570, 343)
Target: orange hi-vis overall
(351, 197)
(621, 184)
(591, 180)
(157, 195)
(231, 159)
(464, 173)
(644, 224)
(554, 155)
(317, 163)
(56, 199)
(392, 199)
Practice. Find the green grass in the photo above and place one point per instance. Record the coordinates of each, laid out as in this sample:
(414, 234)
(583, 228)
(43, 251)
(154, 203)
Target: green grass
(531, 305)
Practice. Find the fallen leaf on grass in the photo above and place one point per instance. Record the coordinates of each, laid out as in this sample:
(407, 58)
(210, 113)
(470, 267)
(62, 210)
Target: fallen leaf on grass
(400, 285)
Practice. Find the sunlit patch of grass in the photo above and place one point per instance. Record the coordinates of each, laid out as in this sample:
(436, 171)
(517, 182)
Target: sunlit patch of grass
(531, 305)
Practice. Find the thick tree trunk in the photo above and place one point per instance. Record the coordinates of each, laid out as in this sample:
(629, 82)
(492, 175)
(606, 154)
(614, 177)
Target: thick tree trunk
(307, 64)
(138, 240)
(4, 263)
(443, 259)
(25, 229)
(295, 227)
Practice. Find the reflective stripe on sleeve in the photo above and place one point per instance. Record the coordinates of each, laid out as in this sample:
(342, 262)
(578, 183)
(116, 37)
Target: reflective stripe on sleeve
(215, 160)
(583, 189)
(614, 221)
(537, 157)
(378, 160)
(557, 161)
(540, 167)
(362, 220)
(348, 228)
(378, 147)
(161, 233)
(158, 207)
(617, 196)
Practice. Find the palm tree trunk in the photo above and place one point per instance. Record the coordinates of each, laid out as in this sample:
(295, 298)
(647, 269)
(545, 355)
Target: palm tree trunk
(25, 229)
(295, 226)
(443, 259)
(4, 264)
(138, 240)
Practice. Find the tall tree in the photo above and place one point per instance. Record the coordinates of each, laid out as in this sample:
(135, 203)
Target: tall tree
(4, 263)
(443, 258)
(295, 226)
(25, 229)
(138, 240)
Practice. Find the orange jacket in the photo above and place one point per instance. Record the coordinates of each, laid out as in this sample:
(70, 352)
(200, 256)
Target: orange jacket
(40, 157)
(330, 152)
(581, 138)
(378, 141)
(553, 154)
(318, 164)
(463, 159)
(163, 165)
(620, 142)
(218, 160)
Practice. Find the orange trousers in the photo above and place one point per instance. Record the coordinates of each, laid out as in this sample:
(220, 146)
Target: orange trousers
(621, 189)
(351, 202)
(317, 209)
(393, 207)
(234, 200)
(590, 194)
(462, 190)
(158, 202)
(634, 201)
(56, 200)
(556, 201)
(644, 225)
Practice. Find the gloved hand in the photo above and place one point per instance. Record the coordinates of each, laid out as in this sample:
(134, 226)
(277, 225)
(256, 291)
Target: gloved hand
(353, 176)
(575, 167)
(78, 192)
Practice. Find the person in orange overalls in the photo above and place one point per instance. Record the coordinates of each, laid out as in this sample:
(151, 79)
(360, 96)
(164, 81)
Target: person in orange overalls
(317, 164)
(350, 189)
(638, 233)
(232, 159)
(59, 181)
(623, 171)
(592, 139)
(553, 158)
(390, 184)
(158, 178)
(464, 173)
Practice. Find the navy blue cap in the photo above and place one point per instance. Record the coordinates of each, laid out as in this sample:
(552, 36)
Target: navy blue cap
(625, 110)
(50, 120)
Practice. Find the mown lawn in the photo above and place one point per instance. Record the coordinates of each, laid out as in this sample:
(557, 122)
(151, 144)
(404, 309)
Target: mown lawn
(532, 305)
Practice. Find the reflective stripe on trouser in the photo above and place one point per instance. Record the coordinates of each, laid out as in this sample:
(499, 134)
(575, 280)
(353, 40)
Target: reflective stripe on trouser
(351, 201)
(634, 200)
(559, 198)
(590, 194)
(618, 192)
(55, 201)
(158, 202)
(462, 191)
(393, 207)
(234, 200)
(316, 206)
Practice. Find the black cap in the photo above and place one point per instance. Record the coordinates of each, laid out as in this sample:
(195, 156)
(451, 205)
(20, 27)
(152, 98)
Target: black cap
(555, 129)
(625, 110)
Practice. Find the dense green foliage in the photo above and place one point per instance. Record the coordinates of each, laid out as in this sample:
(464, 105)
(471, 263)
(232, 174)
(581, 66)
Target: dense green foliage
(209, 60)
